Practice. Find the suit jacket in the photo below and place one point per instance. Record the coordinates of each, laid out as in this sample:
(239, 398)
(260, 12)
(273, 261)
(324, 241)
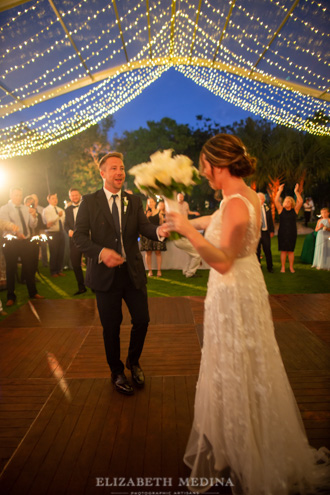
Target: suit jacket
(269, 219)
(95, 230)
(69, 219)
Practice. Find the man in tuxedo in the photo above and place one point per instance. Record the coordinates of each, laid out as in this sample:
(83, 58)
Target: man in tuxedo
(267, 232)
(108, 225)
(69, 225)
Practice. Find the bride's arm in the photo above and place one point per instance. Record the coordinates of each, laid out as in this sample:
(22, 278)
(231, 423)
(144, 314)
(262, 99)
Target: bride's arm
(234, 224)
(201, 223)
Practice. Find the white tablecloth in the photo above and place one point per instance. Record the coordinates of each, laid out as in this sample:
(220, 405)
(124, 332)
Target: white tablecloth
(172, 259)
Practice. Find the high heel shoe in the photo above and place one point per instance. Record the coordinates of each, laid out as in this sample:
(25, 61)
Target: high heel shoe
(159, 274)
(150, 274)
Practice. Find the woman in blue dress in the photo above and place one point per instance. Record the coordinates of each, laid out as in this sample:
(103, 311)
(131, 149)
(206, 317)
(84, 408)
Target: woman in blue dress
(321, 259)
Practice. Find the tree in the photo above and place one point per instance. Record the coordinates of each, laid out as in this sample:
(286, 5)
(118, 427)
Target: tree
(137, 146)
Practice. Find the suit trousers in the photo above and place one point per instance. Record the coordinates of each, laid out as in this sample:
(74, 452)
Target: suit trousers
(265, 242)
(110, 310)
(25, 250)
(56, 243)
(76, 257)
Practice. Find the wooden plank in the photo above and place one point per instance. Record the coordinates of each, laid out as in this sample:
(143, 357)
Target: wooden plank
(300, 348)
(24, 465)
(168, 350)
(66, 440)
(92, 436)
(320, 328)
(309, 307)
(54, 313)
(137, 442)
(20, 404)
(32, 352)
(169, 447)
(153, 453)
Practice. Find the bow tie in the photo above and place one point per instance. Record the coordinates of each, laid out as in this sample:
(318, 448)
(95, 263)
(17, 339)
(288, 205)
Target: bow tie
(75, 206)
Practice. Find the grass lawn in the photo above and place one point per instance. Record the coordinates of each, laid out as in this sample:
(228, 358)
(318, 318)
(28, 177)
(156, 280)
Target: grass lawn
(306, 280)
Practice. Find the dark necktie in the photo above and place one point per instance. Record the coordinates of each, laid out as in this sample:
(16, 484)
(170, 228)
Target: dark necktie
(115, 216)
(59, 220)
(25, 230)
(263, 218)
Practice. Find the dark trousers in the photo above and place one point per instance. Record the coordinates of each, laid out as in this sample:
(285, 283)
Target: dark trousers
(265, 243)
(307, 215)
(25, 250)
(75, 257)
(110, 310)
(56, 243)
(34, 259)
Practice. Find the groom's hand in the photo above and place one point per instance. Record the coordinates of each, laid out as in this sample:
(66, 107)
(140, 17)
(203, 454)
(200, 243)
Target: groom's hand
(110, 258)
(162, 231)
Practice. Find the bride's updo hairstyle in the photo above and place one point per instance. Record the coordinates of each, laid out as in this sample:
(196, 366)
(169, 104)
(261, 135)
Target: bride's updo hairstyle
(226, 150)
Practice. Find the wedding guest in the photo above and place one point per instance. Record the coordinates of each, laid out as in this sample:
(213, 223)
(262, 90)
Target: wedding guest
(9, 227)
(321, 259)
(29, 202)
(150, 246)
(54, 217)
(41, 230)
(69, 225)
(287, 232)
(162, 211)
(245, 416)
(19, 247)
(307, 210)
(194, 259)
(267, 232)
(107, 228)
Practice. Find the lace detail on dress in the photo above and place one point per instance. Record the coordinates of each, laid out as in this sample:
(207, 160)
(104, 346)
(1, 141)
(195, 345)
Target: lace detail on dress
(246, 416)
(213, 233)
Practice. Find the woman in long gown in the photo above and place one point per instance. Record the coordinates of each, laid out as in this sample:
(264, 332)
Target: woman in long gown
(246, 417)
(321, 259)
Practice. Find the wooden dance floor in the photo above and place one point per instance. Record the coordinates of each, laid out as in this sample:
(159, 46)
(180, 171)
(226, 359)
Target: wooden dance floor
(64, 430)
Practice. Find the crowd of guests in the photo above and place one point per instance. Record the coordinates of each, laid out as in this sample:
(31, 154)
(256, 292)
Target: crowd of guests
(24, 220)
(29, 231)
(316, 247)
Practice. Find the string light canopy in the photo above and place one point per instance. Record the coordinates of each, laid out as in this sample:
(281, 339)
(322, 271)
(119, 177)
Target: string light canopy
(67, 64)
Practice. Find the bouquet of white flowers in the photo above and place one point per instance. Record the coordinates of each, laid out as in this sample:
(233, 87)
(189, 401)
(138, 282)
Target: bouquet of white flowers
(166, 176)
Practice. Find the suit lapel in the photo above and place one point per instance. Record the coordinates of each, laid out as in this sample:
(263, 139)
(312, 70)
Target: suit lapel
(104, 207)
(124, 209)
(70, 213)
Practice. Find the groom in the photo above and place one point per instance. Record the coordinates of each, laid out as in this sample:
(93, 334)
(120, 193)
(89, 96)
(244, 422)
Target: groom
(108, 225)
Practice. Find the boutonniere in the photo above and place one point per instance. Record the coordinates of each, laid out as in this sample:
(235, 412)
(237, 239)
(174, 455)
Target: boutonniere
(125, 202)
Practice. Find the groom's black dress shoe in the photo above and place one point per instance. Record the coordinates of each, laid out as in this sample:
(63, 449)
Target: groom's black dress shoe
(121, 384)
(137, 374)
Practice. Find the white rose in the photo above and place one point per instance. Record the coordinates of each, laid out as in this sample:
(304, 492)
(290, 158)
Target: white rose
(162, 175)
(182, 170)
(161, 158)
(143, 175)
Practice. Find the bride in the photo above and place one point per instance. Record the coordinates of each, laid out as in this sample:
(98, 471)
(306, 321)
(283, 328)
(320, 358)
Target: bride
(246, 417)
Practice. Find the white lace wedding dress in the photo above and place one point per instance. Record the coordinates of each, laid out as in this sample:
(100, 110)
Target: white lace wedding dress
(246, 416)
